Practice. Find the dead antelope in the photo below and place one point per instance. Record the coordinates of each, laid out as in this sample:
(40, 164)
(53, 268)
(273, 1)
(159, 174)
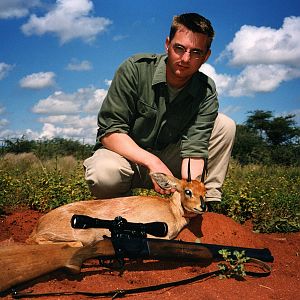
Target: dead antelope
(186, 202)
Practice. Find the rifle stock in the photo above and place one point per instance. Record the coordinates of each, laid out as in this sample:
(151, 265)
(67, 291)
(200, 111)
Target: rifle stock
(20, 263)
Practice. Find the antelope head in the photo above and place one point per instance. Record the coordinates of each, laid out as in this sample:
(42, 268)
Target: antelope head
(192, 191)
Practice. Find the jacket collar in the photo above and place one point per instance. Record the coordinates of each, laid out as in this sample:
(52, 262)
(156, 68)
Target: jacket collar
(160, 77)
(160, 72)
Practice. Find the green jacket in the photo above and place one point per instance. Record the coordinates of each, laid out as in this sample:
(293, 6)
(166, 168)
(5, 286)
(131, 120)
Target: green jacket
(137, 103)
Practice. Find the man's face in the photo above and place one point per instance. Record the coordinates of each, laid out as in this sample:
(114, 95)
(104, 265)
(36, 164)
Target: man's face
(186, 53)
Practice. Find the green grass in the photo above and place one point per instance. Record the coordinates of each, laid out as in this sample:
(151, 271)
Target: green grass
(269, 196)
(42, 185)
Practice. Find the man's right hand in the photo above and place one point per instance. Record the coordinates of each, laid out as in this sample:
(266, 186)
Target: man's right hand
(124, 145)
(157, 166)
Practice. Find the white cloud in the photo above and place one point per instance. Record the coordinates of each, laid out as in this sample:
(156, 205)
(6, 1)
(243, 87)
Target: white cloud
(230, 109)
(4, 69)
(267, 57)
(75, 121)
(6, 133)
(16, 8)
(71, 115)
(252, 79)
(260, 78)
(87, 100)
(27, 133)
(265, 45)
(30, 134)
(95, 101)
(50, 131)
(58, 119)
(38, 80)
(75, 65)
(119, 37)
(222, 81)
(58, 103)
(107, 82)
(69, 19)
(3, 122)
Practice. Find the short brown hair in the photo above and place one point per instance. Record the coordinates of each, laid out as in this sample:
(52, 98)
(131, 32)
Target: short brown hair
(193, 22)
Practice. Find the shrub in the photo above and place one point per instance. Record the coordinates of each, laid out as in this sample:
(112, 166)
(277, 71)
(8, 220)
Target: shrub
(269, 196)
(41, 185)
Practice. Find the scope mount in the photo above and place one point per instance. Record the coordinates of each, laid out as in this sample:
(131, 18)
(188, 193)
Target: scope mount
(128, 239)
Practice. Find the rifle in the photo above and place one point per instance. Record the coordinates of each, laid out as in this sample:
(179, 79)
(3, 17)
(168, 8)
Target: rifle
(21, 263)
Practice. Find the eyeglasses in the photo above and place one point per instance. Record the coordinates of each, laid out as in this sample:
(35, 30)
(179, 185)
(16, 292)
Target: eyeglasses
(194, 54)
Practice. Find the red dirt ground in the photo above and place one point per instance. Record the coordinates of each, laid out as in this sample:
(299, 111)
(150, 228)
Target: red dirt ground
(283, 283)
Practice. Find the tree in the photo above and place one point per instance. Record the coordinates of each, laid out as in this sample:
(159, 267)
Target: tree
(268, 140)
(259, 121)
(19, 145)
(274, 130)
(249, 147)
(282, 130)
(47, 148)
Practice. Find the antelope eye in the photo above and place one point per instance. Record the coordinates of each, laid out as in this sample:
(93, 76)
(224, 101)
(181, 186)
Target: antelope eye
(188, 193)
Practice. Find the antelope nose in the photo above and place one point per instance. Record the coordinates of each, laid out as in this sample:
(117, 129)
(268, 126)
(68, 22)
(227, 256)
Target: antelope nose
(203, 204)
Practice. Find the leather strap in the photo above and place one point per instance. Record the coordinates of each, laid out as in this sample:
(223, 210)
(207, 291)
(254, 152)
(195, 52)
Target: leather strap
(262, 265)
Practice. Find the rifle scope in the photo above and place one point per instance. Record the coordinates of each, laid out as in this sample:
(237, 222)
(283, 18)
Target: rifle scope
(159, 229)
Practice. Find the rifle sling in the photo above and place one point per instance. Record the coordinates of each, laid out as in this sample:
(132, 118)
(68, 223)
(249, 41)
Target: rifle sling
(121, 293)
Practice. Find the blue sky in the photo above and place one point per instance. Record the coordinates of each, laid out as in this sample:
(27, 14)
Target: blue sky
(57, 58)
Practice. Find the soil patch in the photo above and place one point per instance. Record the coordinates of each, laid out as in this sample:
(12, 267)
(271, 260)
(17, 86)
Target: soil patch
(283, 283)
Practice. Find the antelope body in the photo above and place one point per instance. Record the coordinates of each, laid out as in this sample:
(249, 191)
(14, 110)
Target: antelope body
(186, 202)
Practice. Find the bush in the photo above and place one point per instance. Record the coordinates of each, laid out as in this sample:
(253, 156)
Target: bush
(47, 149)
(40, 185)
(252, 148)
(269, 196)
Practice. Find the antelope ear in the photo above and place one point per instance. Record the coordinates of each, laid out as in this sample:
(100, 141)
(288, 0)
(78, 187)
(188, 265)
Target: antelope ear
(166, 182)
(199, 178)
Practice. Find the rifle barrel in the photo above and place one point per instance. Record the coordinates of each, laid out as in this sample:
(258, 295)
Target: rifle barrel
(263, 254)
(185, 251)
(196, 251)
(188, 251)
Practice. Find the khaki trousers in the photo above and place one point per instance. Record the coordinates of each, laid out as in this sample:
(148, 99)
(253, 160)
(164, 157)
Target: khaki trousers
(110, 175)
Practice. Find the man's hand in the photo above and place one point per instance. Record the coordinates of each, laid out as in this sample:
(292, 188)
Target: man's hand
(124, 145)
(157, 166)
(196, 167)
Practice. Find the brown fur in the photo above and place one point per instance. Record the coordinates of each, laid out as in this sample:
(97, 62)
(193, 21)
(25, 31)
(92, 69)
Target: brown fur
(176, 211)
